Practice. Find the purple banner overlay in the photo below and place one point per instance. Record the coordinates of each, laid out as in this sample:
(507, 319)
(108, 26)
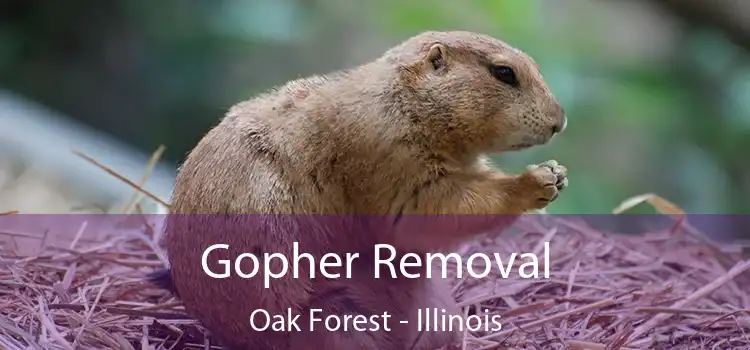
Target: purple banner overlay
(275, 246)
(276, 274)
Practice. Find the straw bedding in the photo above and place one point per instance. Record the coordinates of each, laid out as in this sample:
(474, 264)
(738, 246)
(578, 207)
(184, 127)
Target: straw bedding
(660, 290)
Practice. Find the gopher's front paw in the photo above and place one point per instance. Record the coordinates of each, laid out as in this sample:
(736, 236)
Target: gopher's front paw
(542, 183)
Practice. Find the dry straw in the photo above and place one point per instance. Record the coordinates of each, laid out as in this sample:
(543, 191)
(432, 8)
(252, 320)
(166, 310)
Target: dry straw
(660, 290)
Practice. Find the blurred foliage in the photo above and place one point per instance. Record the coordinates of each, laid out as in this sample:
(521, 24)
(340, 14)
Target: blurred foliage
(163, 72)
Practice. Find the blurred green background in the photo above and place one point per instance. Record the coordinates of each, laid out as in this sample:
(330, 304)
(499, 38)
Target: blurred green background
(657, 92)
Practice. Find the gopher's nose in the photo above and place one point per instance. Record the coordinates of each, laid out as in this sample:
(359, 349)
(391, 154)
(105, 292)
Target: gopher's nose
(560, 127)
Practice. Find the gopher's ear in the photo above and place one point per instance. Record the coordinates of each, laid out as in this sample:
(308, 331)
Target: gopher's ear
(436, 57)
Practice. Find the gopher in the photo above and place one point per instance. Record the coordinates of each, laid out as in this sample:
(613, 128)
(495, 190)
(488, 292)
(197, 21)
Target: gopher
(408, 133)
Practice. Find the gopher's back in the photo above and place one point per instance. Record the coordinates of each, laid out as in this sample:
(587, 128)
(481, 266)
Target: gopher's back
(241, 165)
(303, 148)
(287, 152)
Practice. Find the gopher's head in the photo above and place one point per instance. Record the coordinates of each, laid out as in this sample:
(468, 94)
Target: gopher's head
(478, 88)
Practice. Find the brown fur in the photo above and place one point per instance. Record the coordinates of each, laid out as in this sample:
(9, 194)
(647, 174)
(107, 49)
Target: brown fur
(407, 133)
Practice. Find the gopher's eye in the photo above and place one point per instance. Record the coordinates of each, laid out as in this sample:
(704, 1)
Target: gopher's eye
(504, 74)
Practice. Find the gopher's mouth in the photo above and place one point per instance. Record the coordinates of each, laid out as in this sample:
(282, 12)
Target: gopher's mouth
(528, 142)
(521, 146)
(524, 141)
